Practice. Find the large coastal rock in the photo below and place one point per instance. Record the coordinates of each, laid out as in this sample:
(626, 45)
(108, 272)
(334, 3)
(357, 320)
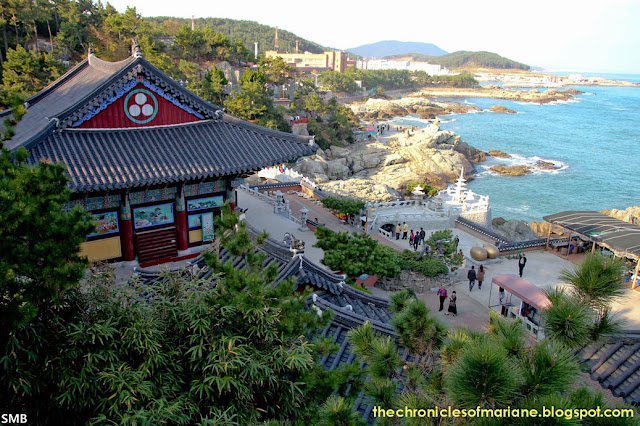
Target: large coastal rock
(542, 229)
(379, 171)
(511, 170)
(627, 214)
(500, 108)
(498, 154)
(514, 230)
(383, 109)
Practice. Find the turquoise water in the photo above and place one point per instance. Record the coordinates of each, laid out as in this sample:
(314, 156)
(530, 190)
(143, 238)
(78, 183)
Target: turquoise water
(594, 141)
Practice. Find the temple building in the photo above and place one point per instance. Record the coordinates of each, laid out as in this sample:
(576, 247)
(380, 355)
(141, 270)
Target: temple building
(151, 161)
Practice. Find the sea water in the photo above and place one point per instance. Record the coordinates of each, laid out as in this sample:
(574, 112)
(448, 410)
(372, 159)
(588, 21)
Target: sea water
(593, 140)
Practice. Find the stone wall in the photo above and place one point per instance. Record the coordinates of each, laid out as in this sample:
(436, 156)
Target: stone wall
(481, 218)
(413, 280)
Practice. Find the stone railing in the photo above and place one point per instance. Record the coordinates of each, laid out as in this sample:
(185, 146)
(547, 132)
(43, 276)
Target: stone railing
(256, 193)
(280, 205)
(415, 204)
(472, 203)
(275, 173)
(388, 234)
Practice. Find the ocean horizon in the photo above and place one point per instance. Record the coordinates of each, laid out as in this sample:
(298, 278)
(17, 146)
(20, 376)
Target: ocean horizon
(593, 140)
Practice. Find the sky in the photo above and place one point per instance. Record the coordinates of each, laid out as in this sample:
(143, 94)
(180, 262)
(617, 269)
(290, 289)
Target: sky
(569, 35)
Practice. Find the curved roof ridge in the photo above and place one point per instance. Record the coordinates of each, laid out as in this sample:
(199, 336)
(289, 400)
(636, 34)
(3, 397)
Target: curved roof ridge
(352, 317)
(369, 298)
(108, 66)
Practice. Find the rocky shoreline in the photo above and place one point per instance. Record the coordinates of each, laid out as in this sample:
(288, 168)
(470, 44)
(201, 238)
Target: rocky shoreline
(491, 91)
(380, 170)
(421, 103)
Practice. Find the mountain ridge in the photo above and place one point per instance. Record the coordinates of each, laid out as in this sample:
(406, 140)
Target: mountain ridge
(384, 48)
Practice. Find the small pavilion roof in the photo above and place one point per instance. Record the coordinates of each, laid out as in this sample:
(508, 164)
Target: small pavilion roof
(523, 289)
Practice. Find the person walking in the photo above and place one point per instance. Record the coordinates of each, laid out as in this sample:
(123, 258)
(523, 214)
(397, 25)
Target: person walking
(398, 229)
(480, 277)
(442, 292)
(521, 262)
(453, 308)
(422, 235)
(416, 241)
(471, 275)
(411, 237)
(405, 230)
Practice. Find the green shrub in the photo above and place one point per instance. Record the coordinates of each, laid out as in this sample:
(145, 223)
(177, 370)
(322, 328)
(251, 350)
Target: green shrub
(428, 266)
(343, 205)
(430, 191)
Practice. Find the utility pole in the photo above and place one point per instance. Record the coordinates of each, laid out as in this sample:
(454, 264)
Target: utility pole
(255, 45)
(193, 26)
(276, 42)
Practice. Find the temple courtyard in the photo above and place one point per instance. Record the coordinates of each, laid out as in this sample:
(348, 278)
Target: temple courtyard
(542, 269)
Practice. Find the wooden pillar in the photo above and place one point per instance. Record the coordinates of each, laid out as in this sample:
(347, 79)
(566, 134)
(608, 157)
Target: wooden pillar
(546, 247)
(126, 231)
(181, 220)
(232, 198)
(593, 247)
(569, 246)
(634, 283)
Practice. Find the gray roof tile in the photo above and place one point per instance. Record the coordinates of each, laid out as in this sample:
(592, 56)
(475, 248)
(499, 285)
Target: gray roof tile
(108, 159)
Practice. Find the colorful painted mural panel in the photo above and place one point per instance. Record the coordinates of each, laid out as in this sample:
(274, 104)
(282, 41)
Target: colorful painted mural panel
(205, 203)
(105, 223)
(144, 217)
(195, 221)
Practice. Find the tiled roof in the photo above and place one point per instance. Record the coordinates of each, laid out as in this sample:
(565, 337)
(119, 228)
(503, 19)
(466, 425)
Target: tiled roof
(108, 159)
(615, 363)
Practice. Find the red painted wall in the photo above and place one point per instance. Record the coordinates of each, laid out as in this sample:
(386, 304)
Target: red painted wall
(142, 108)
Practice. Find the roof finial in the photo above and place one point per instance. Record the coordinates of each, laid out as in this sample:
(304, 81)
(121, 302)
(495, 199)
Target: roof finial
(135, 48)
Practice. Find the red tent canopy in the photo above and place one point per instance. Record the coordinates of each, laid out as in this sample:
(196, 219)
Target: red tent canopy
(523, 289)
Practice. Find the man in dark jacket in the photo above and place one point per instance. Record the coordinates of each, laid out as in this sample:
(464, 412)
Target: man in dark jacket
(521, 262)
(472, 277)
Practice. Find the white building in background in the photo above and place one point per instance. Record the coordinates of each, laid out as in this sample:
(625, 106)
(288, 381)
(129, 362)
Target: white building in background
(385, 64)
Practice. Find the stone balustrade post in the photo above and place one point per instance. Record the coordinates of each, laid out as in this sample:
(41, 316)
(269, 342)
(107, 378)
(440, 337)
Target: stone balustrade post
(304, 213)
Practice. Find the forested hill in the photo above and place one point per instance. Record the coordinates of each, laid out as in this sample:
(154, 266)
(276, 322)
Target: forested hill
(247, 31)
(466, 59)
